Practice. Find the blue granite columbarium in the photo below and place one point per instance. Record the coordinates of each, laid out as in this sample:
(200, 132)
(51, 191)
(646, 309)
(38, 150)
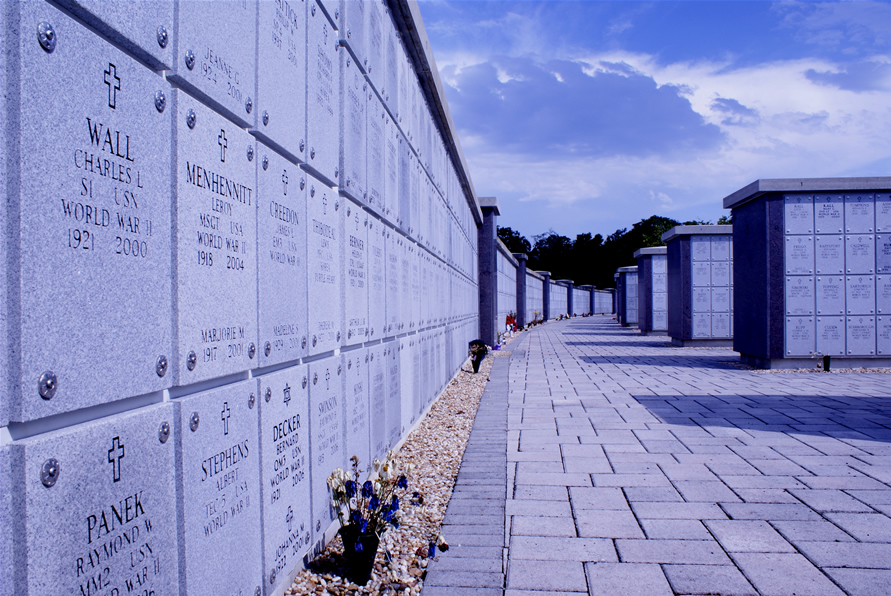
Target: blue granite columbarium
(700, 285)
(652, 290)
(814, 256)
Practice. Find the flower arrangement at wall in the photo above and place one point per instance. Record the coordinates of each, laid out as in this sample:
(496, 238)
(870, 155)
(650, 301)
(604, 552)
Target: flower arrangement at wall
(367, 509)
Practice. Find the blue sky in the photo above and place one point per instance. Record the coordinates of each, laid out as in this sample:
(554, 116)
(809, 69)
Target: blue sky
(587, 116)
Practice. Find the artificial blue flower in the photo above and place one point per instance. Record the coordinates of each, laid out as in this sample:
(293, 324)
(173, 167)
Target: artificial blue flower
(374, 503)
(350, 487)
(356, 517)
(402, 482)
(367, 489)
(394, 504)
(431, 549)
(363, 527)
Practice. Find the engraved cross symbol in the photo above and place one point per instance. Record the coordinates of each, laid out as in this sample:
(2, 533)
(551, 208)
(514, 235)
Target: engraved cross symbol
(287, 393)
(115, 455)
(114, 84)
(327, 378)
(223, 143)
(285, 181)
(324, 205)
(224, 416)
(290, 517)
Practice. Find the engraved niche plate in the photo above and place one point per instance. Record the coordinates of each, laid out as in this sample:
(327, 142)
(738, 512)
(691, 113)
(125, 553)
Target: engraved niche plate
(377, 32)
(283, 400)
(883, 294)
(720, 300)
(883, 335)
(800, 295)
(281, 69)
(392, 174)
(860, 254)
(411, 397)
(799, 255)
(702, 300)
(861, 336)
(830, 255)
(353, 111)
(92, 230)
(883, 253)
(355, 282)
(377, 279)
(377, 385)
(375, 150)
(144, 30)
(700, 248)
(860, 213)
(660, 282)
(883, 212)
(831, 336)
(701, 273)
(660, 320)
(356, 403)
(352, 24)
(326, 414)
(324, 263)
(720, 273)
(720, 246)
(216, 235)
(281, 259)
(860, 294)
(800, 332)
(721, 325)
(394, 285)
(702, 325)
(107, 525)
(394, 393)
(799, 214)
(322, 95)
(830, 295)
(829, 214)
(216, 55)
(219, 490)
(415, 267)
(660, 265)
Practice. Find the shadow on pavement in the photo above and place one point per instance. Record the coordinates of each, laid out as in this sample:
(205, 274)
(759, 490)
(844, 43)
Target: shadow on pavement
(839, 417)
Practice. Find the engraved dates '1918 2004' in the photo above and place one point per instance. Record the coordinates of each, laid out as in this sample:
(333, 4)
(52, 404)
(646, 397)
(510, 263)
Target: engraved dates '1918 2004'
(216, 234)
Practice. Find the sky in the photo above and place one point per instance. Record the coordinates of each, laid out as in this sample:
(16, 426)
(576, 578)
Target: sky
(588, 116)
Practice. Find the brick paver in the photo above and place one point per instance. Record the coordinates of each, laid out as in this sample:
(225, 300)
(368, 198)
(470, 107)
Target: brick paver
(633, 467)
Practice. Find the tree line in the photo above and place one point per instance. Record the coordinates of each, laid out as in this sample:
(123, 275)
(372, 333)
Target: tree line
(591, 260)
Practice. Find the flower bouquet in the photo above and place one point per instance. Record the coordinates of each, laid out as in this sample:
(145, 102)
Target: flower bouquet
(366, 511)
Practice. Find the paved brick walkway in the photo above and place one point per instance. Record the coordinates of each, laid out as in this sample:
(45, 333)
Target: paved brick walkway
(603, 462)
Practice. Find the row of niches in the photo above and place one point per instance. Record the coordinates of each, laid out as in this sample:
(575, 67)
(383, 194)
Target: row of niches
(836, 254)
(838, 295)
(713, 325)
(151, 241)
(250, 461)
(837, 213)
(859, 335)
(255, 68)
(711, 273)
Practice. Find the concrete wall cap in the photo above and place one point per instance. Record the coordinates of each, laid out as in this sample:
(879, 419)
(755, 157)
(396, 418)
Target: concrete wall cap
(696, 231)
(627, 269)
(650, 250)
(770, 185)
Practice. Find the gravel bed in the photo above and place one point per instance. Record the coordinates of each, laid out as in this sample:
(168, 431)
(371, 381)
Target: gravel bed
(818, 368)
(436, 448)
